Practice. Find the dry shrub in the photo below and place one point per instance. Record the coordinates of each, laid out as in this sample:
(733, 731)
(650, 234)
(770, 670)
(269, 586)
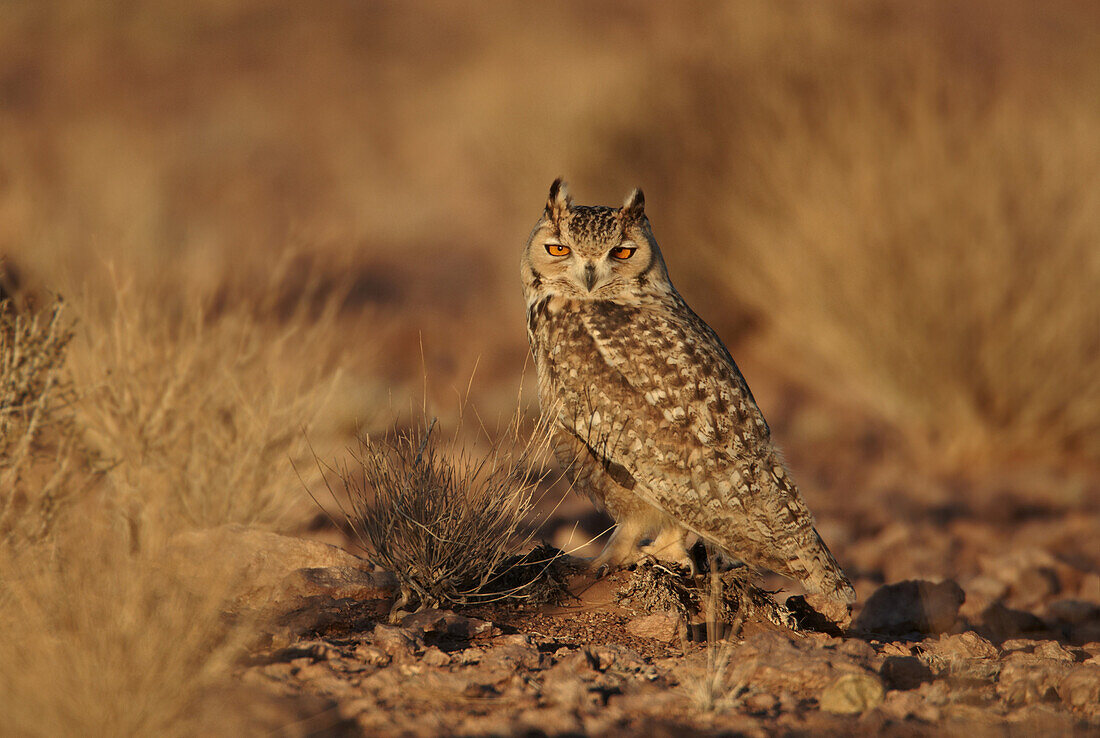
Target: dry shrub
(446, 521)
(722, 683)
(37, 449)
(191, 418)
(195, 417)
(100, 640)
(908, 194)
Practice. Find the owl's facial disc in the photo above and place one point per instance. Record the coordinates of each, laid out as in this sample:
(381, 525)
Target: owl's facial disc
(596, 253)
(588, 268)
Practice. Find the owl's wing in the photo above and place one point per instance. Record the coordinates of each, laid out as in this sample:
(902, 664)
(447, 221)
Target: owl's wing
(682, 421)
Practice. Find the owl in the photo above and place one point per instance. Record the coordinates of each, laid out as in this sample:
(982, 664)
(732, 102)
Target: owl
(650, 416)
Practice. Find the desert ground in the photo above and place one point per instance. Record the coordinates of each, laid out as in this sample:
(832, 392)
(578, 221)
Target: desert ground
(249, 249)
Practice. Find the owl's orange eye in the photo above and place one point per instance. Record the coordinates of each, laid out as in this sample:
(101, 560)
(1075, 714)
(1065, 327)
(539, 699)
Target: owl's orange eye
(623, 252)
(556, 249)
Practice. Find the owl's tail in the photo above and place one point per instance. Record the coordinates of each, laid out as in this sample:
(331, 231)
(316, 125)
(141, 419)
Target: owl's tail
(820, 573)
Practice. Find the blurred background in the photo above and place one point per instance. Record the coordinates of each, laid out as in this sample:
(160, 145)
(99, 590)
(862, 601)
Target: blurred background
(889, 211)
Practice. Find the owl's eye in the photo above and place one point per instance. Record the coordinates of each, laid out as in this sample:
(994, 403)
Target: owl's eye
(556, 249)
(623, 252)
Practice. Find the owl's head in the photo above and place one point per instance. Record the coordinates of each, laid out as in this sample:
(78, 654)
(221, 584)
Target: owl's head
(585, 252)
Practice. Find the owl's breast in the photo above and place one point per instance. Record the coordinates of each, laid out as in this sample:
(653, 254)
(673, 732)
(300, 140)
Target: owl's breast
(565, 353)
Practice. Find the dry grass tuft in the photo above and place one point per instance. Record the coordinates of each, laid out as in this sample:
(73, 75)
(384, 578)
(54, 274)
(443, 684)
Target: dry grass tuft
(445, 521)
(37, 435)
(191, 420)
(195, 417)
(722, 683)
(100, 640)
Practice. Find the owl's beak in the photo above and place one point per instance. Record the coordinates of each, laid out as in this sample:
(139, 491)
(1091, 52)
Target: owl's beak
(589, 276)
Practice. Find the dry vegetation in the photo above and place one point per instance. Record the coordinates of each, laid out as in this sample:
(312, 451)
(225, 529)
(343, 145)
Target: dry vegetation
(101, 640)
(36, 432)
(270, 219)
(116, 436)
(202, 410)
(448, 522)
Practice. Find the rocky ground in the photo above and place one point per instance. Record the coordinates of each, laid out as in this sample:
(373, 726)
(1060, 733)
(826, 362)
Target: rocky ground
(1018, 652)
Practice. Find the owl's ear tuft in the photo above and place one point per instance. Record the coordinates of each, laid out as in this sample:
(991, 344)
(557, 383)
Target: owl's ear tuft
(559, 200)
(634, 205)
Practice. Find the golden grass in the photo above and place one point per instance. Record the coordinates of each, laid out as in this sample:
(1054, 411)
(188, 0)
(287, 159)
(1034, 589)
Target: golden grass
(192, 420)
(197, 417)
(101, 640)
(38, 445)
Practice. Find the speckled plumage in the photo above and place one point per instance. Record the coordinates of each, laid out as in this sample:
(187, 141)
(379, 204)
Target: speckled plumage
(652, 417)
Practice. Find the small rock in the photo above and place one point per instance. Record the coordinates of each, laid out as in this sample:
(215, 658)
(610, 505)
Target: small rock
(508, 659)
(858, 649)
(478, 690)
(1002, 623)
(894, 648)
(1074, 612)
(1086, 631)
(434, 657)
(396, 640)
(965, 655)
(839, 613)
(1080, 688)
(1034, 586)
(906, 705)
(340, 582)
(621, 658)
(566, 684)
(437, 624)
(1027, 679)
(808, 619)
(781, 661)
(468, 656)
(963, 645)
(372, 655)
(905, 672)
(1033, 575)
(1052, 650)
(915, 605)
(661, 626)
(1019, 644)
(852, 694)
(516, 639)
(761, 703)
(981, 592)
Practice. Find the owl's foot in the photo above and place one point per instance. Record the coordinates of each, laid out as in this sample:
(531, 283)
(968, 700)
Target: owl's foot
(621, 549)
(671, 545)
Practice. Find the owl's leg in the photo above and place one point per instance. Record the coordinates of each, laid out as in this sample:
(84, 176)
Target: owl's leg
(673, 544)
(622, 547)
